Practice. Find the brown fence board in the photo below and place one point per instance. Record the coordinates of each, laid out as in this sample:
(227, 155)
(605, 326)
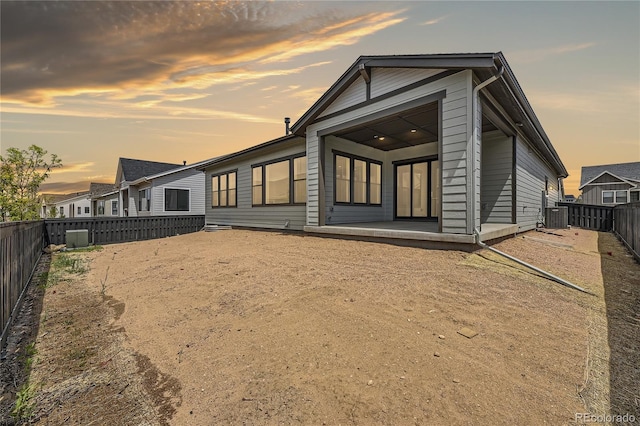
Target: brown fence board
(598, 218)
(108, 230)
(626, 226)
(21, 245)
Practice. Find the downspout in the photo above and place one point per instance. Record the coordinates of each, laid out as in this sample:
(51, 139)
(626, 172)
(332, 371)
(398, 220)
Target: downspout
(475, 137)
(523, 263)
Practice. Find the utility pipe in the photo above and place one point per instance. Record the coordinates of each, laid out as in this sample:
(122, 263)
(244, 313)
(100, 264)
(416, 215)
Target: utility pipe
(475, 138)
(523, 263)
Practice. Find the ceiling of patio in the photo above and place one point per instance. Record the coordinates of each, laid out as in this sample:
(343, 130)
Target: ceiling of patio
(409, 128)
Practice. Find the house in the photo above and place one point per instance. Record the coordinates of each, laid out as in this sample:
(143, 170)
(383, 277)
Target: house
(48, 204)
(569, 198)
(104, 197)
(429, 147)
(149, 188)
(75, 205)
(610, 184)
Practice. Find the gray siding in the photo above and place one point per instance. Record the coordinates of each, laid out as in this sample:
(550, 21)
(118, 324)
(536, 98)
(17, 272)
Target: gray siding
(495, 180)
(385, 80)
(190, 179)
(245, 214)
(530, 181)
(592, 194)
(456, 131)
(353, 95)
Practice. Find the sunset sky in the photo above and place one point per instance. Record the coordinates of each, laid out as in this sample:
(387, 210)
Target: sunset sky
(171, 81)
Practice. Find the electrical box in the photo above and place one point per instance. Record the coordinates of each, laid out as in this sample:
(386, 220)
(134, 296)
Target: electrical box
(77, 238)
(556, 217)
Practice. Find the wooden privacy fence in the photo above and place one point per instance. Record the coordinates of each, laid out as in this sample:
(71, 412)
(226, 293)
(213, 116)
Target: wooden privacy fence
(106, 230)
(626, 225)
(598, 218)
(21, 245)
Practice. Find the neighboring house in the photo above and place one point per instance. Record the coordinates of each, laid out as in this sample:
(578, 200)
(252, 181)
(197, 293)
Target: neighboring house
(75, 205)
(104, 199)
(48, 202)
(569, 198)
(148, 188)
(441, 144)
(610, 184)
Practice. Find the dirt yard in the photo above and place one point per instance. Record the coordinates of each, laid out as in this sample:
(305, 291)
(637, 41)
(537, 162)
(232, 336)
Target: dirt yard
(248, 327)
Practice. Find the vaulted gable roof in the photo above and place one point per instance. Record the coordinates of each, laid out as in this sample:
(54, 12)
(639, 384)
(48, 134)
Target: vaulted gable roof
(624, 172)
(506, 90)
(130, 169)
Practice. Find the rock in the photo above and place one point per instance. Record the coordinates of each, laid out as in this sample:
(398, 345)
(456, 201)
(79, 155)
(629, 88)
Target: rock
(436, 354)
(370, 383)
(441, 336)
(456, 381)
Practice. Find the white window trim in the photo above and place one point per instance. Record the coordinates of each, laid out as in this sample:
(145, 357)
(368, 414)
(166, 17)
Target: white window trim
(164, 205)
(615, 196)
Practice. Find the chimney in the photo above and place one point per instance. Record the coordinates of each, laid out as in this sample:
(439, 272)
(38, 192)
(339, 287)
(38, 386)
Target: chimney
(287, 120)
(184, 162)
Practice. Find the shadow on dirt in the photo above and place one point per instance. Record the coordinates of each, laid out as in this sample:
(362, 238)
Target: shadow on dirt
(621, 276)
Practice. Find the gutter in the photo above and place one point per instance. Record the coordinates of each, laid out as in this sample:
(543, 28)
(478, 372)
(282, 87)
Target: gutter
(523, 263)
(475, 137)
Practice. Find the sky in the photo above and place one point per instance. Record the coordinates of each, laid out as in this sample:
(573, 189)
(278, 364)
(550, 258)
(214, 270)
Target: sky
(93, 81)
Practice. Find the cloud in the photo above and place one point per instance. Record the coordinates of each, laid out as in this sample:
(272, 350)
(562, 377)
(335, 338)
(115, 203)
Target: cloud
(435, 20)
(74, 168)
(536, 55)
(113, 110)
(39, 131)
(51, 50)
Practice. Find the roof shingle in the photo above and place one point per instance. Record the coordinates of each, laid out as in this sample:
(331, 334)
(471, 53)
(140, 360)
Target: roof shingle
(621, 170)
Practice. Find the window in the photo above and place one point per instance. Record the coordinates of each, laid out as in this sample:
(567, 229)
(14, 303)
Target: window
(61, 211)
(357, 180)
(79, 210)
(621, 197)
(615, 197)
(176, 200)
(86, 210)
(634, 196)
(223, 190)
(300, 180)
(343, 179)
(101, 207)
(114, 208)
(280, 182)
(144, 200)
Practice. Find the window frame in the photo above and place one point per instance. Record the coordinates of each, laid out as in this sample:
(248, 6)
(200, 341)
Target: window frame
(100, 206)
(634, 191)
(352, 158)
(114, 208)
(164, 201)
(218, 175)
(147, 197)
(87, 210)
(614, 196)
(263, 165)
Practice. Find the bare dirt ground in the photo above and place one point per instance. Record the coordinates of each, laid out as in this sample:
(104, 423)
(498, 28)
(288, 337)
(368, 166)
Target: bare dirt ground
(248, 327)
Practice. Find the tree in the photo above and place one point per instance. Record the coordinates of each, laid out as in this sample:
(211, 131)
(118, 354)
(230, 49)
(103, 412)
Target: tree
(22, 172)
(53, 212)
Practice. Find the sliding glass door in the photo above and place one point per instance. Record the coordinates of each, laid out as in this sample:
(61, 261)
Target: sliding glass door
(417, 189)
